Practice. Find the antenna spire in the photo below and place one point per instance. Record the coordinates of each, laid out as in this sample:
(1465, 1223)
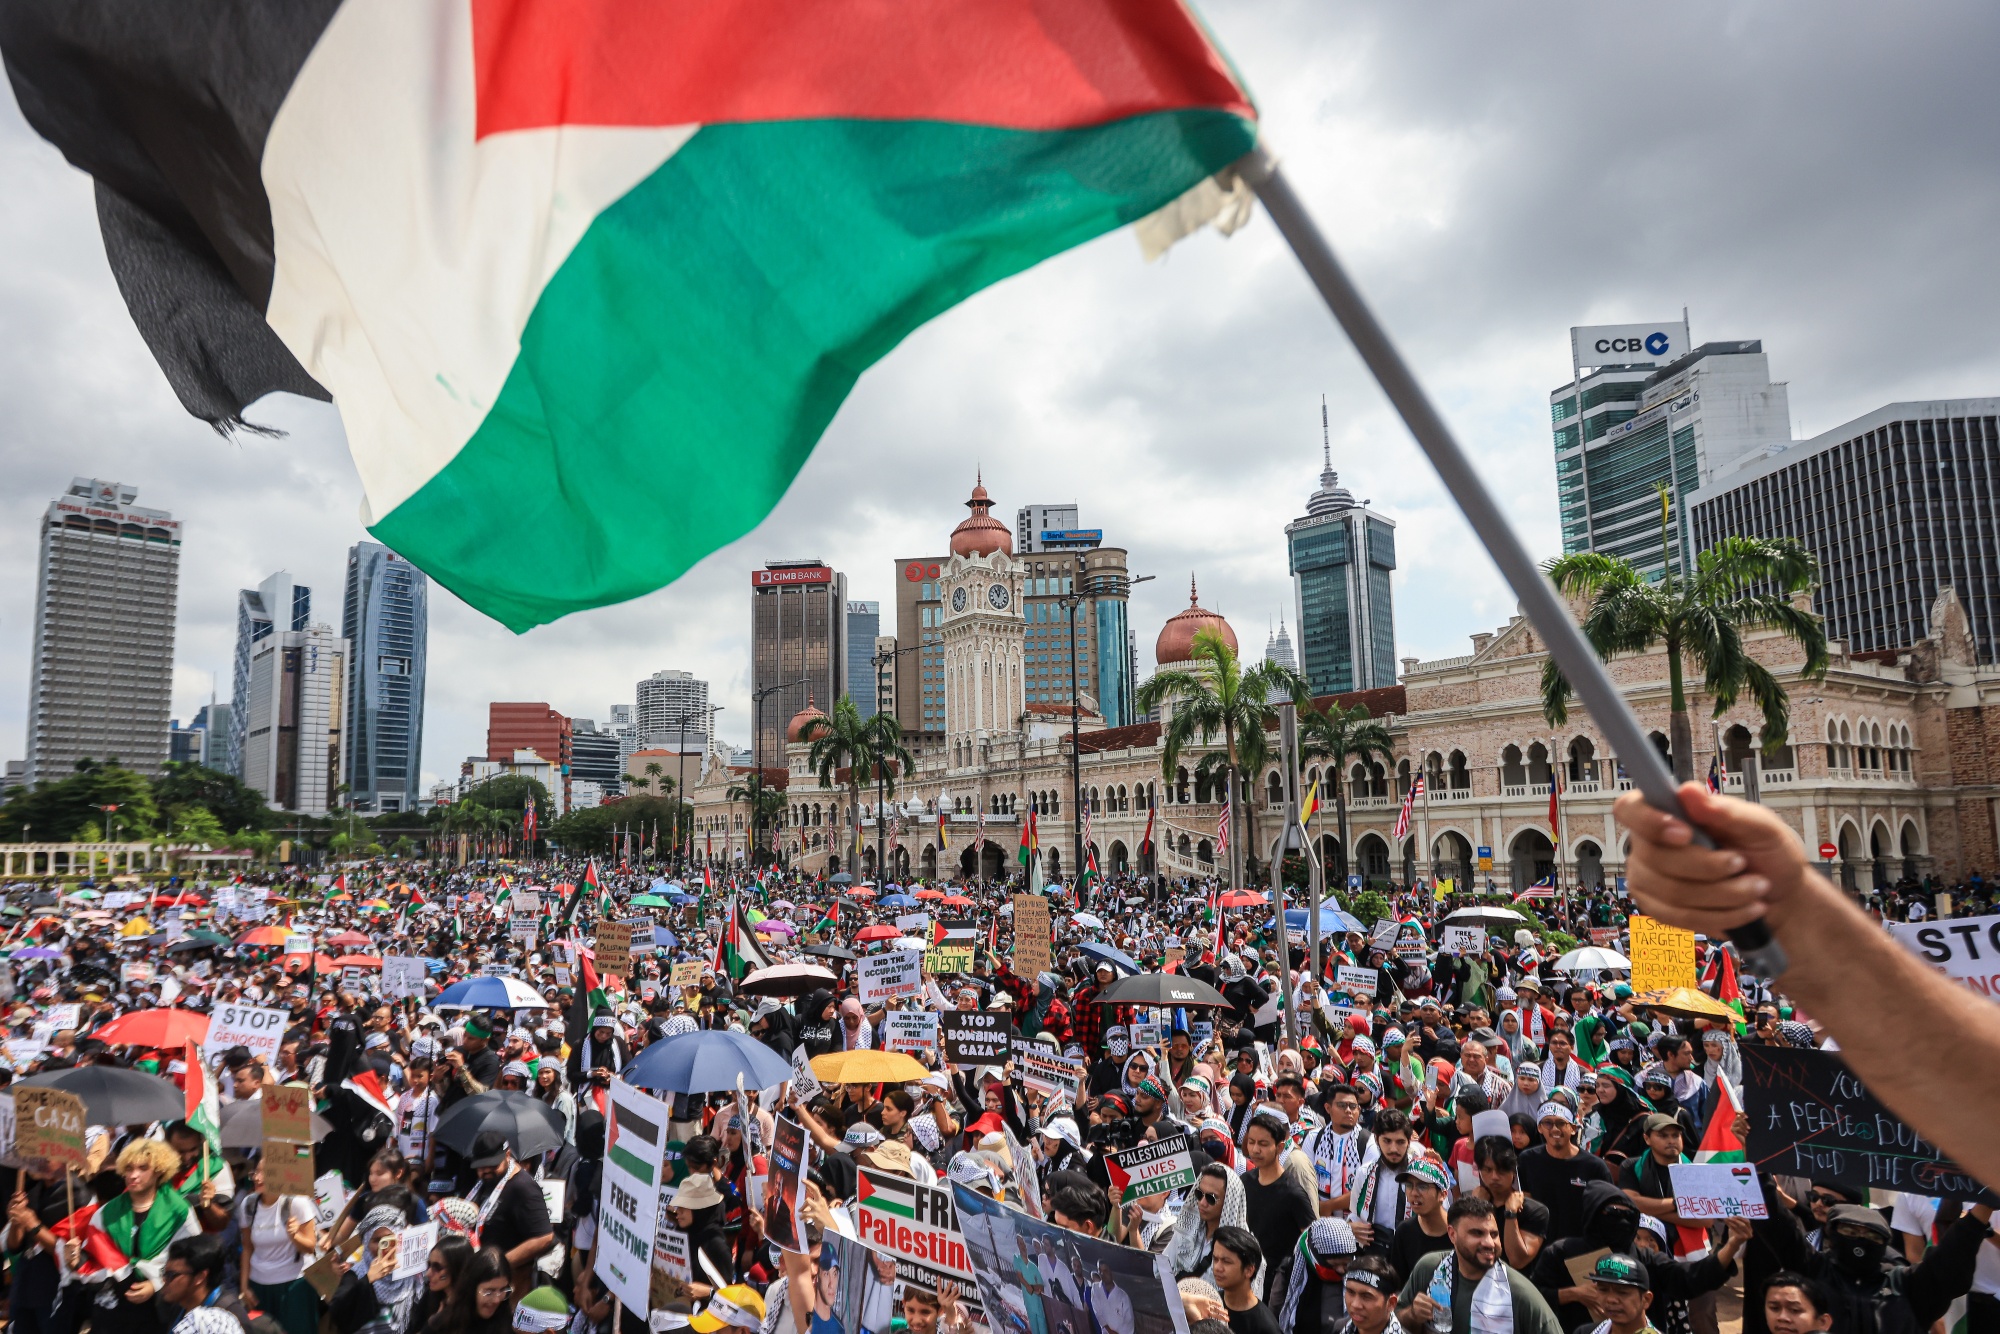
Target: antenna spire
(1325, 435)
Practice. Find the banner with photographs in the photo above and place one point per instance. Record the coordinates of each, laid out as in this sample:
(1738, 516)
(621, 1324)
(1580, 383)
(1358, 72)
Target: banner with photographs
(785, 1199)
(1035, 1276)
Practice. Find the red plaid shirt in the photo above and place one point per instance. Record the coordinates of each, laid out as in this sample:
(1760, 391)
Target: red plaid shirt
(1022, 993)
(1087, 1021)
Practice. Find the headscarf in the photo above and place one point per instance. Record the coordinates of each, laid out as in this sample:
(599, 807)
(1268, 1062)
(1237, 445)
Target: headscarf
(396, 1295)
(1216, 1125)
(1189, 1248)
(1327, 1238)
(1729, 1064)
(1239, 1117)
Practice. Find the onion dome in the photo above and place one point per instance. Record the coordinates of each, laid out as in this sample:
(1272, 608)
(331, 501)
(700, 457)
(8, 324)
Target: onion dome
(1176, 642)
(797, 726)
(981, 534)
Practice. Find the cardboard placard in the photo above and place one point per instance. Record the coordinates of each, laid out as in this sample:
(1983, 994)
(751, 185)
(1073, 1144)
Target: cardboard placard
(672, 1270)
(48, 1124)
(1032, 935)
(1357, 981)
(1145, 1034)
(975, 1037)
(1662, 956)
(1967, 949)
(403, 975)
(1464, 940)
(288, 1167)
(1047, 1073)
(888, 974)
(685, 974)
(1711, 1191)
(941, 960)
(918, 1226)
(805, 1083)
(233, 1025)
(288, 1116)
(914, 923)
(413, 1249)
(614, 949)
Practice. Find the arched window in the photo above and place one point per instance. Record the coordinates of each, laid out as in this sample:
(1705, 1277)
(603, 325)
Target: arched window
(1582, 760)
(1461, 775)
(1403, 778)
(1513, 772)
(1274, 789)
(1538, 765)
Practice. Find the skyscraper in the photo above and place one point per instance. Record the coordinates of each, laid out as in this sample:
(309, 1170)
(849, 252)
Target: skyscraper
(798, 649)
(673, 712)
(594, 759)
(385, 617)
(513, 727)
(1278, 648)
(864, 623)
(1052, 528)
(1342, 554)
(293, 710)
(1718, 404)
(101, 668)
(279, 603)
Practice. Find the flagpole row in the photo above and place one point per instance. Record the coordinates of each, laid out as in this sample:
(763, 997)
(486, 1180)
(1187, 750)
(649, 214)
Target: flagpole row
(1544, 608)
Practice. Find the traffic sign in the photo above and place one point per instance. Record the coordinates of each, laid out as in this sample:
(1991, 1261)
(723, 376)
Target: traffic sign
(1828, 852)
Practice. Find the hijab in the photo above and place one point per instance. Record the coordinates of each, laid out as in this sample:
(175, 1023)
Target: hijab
(1729, 1064)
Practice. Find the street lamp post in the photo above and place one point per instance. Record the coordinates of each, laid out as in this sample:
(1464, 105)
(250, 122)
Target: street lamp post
(680, 781)
(881, 795)
(1083, 585)
(757, 699)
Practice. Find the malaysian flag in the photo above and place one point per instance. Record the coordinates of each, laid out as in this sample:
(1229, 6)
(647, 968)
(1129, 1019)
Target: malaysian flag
(1222, 823)
(1409, 802)
(1086, 823)
(1545, 888)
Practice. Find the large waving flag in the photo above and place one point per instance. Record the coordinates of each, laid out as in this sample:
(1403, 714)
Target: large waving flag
(545, 252)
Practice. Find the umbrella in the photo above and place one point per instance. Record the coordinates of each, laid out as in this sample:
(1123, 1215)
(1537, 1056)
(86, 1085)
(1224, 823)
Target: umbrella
(860, 892)
(928, 894)
(868, 1067)
(138, 926)
(264, 937)
(1159, 989)
(708, 1060)
(1088, 920)
(955, 901)
(1105, 954)
(113, 1096)
(771, 926)
(831, 952)
(359, 961)
(1484, 914)
(909, 943)
(879, 931)
(783, 905)
(1687, 1003)
(1591, 956)
(198, 940)
(490, 993)
(243, 1125)
(1330, 920)
(349, 940)
(785, 979)
(85, 894)
(530, 1125)
(1242, 898)
(896, 901)
(155, 1028)
(651, 901)
(843, 878)
(38, 952)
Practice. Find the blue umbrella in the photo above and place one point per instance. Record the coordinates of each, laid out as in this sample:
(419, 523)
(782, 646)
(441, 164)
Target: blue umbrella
(898, 901)
(1105, 954)
(490, 993)
(1330, 919)
(708, 1060)
(683, 900)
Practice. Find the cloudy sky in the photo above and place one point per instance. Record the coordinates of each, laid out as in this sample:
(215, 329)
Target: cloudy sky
(1820, 175)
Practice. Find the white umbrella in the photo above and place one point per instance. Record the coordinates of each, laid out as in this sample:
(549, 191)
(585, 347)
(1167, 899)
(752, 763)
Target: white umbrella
(909, 943)
(1088, 920)
(1484, 915)
(1592, 957)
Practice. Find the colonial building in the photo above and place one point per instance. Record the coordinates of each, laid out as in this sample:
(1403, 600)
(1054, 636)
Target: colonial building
(1893, 762)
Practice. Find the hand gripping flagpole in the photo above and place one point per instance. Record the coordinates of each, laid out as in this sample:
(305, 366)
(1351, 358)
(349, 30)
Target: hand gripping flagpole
(1545, 610)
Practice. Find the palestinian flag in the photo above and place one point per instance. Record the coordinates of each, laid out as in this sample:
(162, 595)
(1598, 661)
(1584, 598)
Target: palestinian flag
(203, 1110)
(591, 997)
(1723, 984)
(737, 954)
(1090, 872)
(1029, 839)
(545, 251)
(367, 1086)
(1719, 1143)
(885, 1194)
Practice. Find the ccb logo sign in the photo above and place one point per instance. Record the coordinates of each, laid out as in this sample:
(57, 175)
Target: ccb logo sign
(1656, 343)
(1653, 344)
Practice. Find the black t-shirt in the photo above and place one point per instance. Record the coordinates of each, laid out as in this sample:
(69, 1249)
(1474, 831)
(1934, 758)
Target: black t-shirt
(1533, 1218)
(521, 1215)
(1645, 1176)
(1276, 1214)
(483, 1067)
(1411, 1244)
(1558, 1183)
(1253, 1320)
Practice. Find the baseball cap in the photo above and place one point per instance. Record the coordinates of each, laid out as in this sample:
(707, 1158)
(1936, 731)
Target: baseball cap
(736, 1305)
(489, 1149)
(542, 1311)
(1661, 1121)
(1621, 1270)
(1426, 1171)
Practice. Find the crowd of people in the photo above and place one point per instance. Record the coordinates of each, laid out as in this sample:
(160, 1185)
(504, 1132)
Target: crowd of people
(1469, 1140)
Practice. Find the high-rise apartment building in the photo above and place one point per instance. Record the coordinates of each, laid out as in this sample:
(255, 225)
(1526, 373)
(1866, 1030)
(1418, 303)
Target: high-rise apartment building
(279, 603)
(101, 670)
(293, 708)
(622, 727)
(1898, 505)
(798, 646)
(673, 712)
(515, 727)
(883, 666)
(1651, 419)
(213, 720)
(594, 759)
(1342, 554)
(864, 623)
(919, 689)
(385, 617)
(1052, 528)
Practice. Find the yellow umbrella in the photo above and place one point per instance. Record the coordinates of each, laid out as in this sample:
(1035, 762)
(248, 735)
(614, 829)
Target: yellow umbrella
(138, 926)
(1687, 1003)
(868, 1067)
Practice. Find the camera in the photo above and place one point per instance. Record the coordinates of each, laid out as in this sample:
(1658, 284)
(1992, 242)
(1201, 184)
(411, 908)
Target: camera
(1122, 1133)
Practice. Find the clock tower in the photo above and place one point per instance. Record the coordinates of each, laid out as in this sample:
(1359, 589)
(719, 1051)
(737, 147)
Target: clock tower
(984, 631)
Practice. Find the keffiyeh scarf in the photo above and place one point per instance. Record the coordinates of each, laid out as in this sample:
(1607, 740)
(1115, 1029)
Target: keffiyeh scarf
(1188, 1251)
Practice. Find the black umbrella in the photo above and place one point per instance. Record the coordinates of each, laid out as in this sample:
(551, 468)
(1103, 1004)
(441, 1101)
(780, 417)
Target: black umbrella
(1160, 989)
(114, 1096)
(530, 1125)
(831, 952)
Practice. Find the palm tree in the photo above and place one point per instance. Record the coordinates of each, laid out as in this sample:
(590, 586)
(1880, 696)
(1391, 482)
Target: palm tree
(1739, 584)
(846, 740)
(1218, 694)
(1334, 736)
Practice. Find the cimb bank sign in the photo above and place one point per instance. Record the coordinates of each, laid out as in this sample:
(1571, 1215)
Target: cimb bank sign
(1627, 344)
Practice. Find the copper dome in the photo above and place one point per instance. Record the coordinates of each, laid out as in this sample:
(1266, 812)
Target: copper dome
(980, 534)
(801, 718)
(1176, 642)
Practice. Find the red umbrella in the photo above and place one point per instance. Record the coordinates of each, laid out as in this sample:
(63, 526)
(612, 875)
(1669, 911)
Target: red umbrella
(861, 892)
(956, 901)
(1241, 899)
(177, 901)
(928, 894)
(348, 940)
(296, 963)
(264, 936)
(155, 1028)
(877, 932)
(359, 961)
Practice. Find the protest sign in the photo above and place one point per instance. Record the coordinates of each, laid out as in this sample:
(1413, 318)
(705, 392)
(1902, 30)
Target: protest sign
(975, 1037)
(914, 923)
(891, 973)
(9, 1157)
(136, 971)
(1662, 956)
(672, 1271)
(524, 927)
(298, 942)
(614, 949)
(1079, 1275)
(686, 974)
(1382, 935)
(910, 1030)
(917, 1227)
(940, 960)
(785, 1195)
(48, 1124)
(1710, 1191)
(24, 1052)
(1464, 940)
(1031, 935)
(805, 1084)
(233, 1025)
(330, 1196)
(413, 1249)
(1176, 954)
(288, 1138)
(68, 1016)
(351, 977)
(1047, 1073)
(288, 1166)
(1810, 1116)
(527, 901)
(1152, 1168)
(642, 942)
(1357, 981)
(403, 975)
(629, 1204)
(1605, 936)
(1966, 948)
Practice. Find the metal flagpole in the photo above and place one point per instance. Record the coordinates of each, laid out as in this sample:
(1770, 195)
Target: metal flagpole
(1545, 610)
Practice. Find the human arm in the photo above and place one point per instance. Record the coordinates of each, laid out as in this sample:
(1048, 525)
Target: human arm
(828, 1142)
(1946, 1272)
(1927, 1046)
(301, 1227)
(1522, 1245)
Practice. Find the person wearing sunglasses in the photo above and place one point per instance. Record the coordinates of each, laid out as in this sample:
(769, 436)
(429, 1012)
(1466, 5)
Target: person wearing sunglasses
(445, 1264)
(191, 1283)
(1216, 1202)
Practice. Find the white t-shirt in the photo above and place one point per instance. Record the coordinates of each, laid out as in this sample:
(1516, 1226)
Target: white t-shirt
(416, 1124)
(273, 1258)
